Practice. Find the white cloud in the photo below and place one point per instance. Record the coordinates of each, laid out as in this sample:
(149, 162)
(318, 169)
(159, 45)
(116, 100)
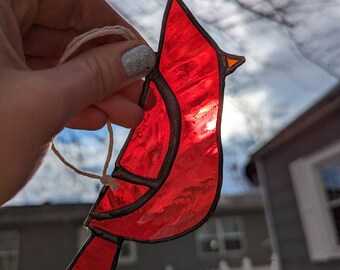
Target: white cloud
(275, 75)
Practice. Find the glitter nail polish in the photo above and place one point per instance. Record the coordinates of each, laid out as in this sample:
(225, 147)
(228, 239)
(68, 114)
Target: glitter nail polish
(138, 60)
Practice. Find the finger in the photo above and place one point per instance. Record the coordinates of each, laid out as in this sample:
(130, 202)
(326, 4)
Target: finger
(47, 42)
(95, 117)
(37, 63)
(97, 74)
(81, 15)
(122, 111)
(90, 118)
(132, 92)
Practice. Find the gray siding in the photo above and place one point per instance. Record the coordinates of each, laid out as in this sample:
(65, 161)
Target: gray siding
(47, 234)
(182, 255)
(286, 218)
(48, 239)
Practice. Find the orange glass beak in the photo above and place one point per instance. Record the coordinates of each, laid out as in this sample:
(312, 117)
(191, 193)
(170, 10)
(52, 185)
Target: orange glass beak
(234, 61)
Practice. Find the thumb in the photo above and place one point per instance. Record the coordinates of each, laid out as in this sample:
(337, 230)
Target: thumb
(99, 73)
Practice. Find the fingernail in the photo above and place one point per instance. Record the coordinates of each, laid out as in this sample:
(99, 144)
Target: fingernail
(138, 60)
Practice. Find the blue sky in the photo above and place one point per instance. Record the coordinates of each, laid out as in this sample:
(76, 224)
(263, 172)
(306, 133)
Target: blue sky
(270, 90)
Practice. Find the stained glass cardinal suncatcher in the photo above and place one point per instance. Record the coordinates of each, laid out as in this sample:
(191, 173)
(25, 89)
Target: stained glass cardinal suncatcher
(170, 168)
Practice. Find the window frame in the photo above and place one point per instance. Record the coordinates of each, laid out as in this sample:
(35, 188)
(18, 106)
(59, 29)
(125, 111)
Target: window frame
(3, 253)
(220, 235)
(132, 258)
(317, 221)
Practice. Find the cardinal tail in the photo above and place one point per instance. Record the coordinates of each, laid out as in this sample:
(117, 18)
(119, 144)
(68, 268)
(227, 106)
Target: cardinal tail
(97, 253)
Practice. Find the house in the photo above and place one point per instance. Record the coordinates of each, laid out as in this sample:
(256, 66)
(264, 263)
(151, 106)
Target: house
(48, 236)
(299, 171)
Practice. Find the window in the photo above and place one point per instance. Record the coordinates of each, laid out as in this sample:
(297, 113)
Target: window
(316, 181)
(83, 235)
(329, 173)
(221, 236)
(128, 251)
(9, 249)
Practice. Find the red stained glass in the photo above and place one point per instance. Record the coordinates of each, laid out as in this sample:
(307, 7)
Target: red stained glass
(170, 169)
(150, 140)
(98, 254)
(188, 194)
(126, 194)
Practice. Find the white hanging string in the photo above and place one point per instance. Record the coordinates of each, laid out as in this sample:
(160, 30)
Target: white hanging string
(72, 47)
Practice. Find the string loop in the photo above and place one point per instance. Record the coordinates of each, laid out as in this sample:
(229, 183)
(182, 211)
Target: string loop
(72, 47)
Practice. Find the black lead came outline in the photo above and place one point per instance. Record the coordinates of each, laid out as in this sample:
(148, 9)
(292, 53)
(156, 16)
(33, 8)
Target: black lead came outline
(119, 172)
(174, 114)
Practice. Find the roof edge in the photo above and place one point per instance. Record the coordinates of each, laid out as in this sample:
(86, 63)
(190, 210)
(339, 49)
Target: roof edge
(319, 110)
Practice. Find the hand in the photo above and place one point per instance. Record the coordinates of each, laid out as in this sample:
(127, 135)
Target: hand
(38, 99)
